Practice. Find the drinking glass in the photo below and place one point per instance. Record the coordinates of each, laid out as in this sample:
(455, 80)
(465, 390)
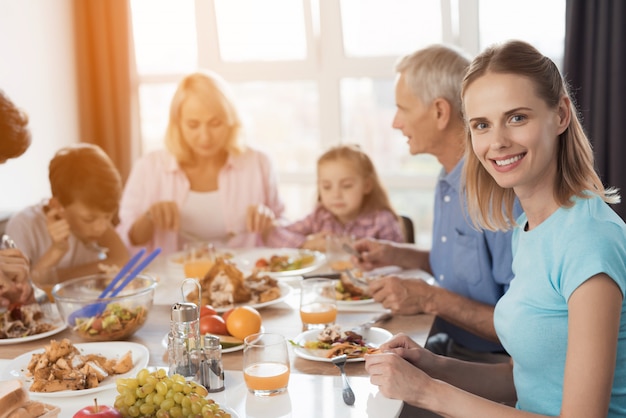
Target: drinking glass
(199, 258)
(318, 303)
(265, 364)
(338, 259)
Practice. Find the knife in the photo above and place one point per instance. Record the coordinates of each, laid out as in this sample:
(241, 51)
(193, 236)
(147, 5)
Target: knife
(335, 276)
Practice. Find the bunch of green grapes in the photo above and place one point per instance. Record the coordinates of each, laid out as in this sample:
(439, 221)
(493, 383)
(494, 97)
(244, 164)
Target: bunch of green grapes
(158, 395)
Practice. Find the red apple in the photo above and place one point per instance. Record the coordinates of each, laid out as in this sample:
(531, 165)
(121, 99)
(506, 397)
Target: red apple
(98, 411)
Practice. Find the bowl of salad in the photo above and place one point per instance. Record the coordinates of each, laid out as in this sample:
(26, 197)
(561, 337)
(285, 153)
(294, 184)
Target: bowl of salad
(119, 317)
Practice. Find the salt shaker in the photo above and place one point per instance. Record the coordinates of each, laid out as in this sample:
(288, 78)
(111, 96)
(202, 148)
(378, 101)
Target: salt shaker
(184, 340)
(211, 370)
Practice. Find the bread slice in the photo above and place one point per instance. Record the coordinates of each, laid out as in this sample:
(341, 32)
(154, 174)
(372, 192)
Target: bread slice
(12, 396)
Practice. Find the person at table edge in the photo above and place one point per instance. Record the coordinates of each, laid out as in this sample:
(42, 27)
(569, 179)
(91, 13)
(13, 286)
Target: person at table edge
(472, 268)
(207, 185)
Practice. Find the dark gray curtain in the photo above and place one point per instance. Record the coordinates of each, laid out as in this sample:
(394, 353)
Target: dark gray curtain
(595, 66)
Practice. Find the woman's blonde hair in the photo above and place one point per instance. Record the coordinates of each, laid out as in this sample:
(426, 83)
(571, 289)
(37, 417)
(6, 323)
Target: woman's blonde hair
(377, 198)
(491, 206)
(212, 89)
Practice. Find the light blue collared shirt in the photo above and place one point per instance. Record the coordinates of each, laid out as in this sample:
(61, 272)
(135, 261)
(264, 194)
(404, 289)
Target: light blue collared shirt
(472, 263)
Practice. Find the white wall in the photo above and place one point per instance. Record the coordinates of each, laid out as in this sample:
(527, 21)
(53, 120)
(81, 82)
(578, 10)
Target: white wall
(37, 71)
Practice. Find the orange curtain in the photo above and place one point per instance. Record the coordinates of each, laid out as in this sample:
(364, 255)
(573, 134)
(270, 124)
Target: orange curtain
(103, 49)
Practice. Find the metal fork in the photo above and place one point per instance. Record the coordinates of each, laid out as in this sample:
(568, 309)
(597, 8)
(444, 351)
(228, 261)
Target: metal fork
(355, 279)
(348, 394)
(102, 251)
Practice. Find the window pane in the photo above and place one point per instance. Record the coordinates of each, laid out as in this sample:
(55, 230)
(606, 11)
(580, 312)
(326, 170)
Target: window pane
(389, 27)
(539, 22)
(165, 36)
(252, 30)
(282, 118)
(367, 111)
(154, 102)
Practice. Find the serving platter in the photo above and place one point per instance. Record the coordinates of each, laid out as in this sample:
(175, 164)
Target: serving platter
(18, 368)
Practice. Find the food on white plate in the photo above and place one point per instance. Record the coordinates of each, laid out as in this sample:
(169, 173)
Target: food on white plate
(148, 394)
(115, 322)
(335, 342)
(278, 263)
(62, 367)
(347, 289)
(15, 402)
(23, 320)
(225, 285)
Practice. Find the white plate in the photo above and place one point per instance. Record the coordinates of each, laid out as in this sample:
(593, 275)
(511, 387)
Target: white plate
(112, 349)
(246, 260)
(285, 290)
(59, 325)
(347, 303)
(373, 337)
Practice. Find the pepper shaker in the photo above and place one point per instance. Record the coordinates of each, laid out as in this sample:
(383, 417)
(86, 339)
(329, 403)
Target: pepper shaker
(184, 340)
(211, 368)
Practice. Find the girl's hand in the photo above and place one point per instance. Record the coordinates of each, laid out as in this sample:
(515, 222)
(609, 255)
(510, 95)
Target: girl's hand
(259, 218)
(316, 242)
(164, 215)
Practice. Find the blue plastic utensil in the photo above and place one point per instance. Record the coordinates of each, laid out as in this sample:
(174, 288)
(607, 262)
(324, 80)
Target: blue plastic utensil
(96, 309)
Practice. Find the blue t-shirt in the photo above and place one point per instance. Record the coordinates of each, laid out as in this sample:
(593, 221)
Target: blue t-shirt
(550, 262)
(472, 263)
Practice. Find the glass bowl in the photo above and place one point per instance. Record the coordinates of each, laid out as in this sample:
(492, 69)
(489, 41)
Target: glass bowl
(111, 318)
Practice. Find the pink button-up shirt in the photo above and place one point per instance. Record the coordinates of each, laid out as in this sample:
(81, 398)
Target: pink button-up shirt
(246, 179)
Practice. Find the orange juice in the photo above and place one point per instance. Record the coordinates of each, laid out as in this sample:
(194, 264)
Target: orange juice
(197, 268)
(266, 376)
(318, 313)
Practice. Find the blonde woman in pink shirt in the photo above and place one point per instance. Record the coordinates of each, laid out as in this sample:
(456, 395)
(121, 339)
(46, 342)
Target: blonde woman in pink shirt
(207, 184)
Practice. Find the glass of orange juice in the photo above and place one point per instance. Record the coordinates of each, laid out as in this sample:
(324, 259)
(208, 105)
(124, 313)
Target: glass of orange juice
(318, 303)
(265, 364)
(199, 258)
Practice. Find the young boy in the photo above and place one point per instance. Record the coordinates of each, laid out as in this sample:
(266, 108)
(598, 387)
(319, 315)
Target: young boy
(61, 236)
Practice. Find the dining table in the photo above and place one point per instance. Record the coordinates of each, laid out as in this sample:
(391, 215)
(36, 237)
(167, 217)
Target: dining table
(315, 387)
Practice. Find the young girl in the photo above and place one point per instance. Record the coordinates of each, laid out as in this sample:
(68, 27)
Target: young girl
(563, 319)
(351, 202)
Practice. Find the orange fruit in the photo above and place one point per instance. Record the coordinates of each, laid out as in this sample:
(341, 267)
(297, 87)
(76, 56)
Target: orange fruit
(243, 321)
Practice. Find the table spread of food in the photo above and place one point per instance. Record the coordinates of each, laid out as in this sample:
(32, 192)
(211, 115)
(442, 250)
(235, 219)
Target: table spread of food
(94, 354)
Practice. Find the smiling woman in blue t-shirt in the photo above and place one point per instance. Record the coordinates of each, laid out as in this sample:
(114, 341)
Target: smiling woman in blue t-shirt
(563, 318)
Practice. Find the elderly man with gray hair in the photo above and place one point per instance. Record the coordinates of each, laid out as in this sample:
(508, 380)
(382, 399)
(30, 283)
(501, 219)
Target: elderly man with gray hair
(472, 268)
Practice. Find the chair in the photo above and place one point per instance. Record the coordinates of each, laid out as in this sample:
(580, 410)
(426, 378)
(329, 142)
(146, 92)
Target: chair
(409, 232)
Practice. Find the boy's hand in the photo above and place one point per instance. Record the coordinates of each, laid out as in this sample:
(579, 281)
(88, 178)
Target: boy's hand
(58, 227)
